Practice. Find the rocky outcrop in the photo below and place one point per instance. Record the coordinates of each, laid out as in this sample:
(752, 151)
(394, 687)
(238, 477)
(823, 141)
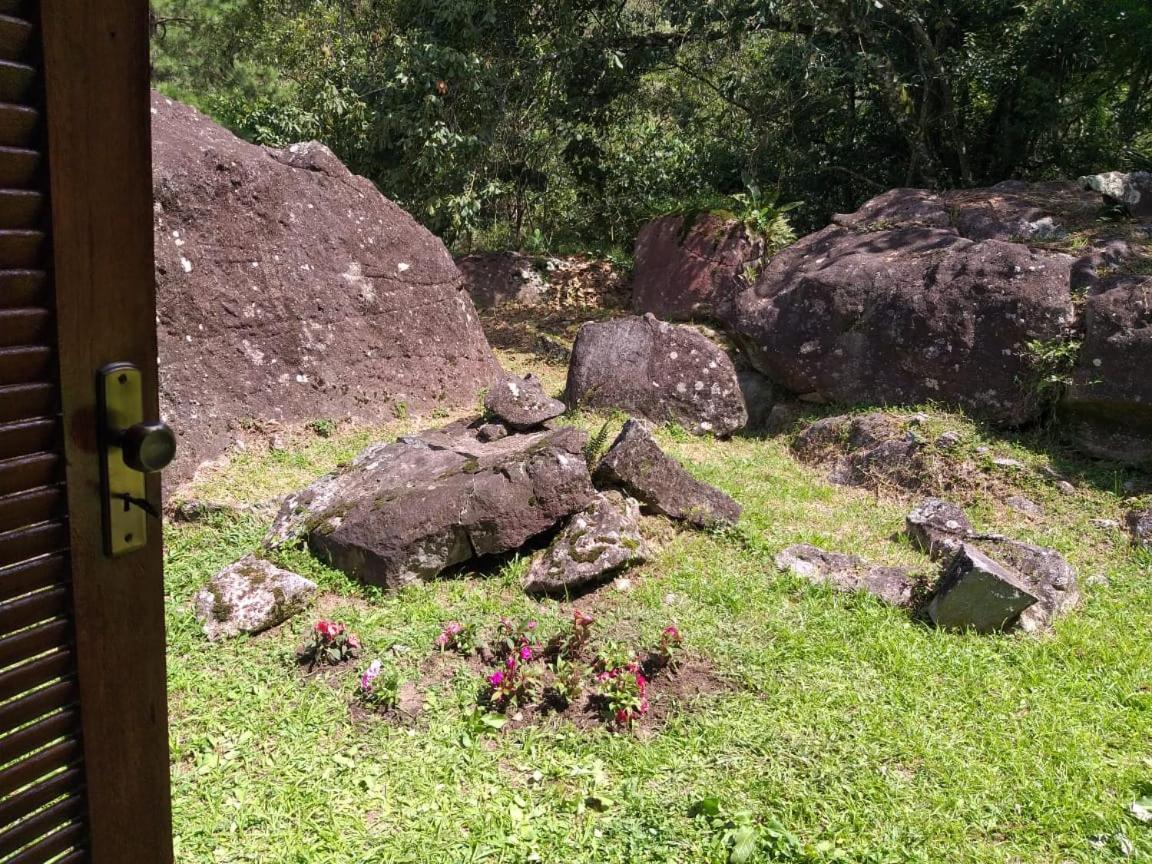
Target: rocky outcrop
(875, 450)
(521, 403)
(903, 315)
(659, 371)
(636, 464)
(848, 573)
(290, 289)
(496, 279)
(250, 596)
(597, 542)
(408, 511)
(1108, 407)
(1132, 191)
(688, 267)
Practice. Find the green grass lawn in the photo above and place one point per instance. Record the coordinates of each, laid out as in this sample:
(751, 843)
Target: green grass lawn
(848, 731)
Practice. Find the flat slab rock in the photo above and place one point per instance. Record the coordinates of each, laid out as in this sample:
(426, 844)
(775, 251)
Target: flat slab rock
(662, 372)
(521, 403)
(1042, 574)
(250, 596)
(407, 511)
(636, 464)
(893, 585)
(979, 594)
(598, 541)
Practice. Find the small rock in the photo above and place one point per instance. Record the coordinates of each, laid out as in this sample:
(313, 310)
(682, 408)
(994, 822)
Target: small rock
(1024, 505)
(848, 573)
(1140, 524)
(1065, 487)
(636, 464)
(1106, 524)
(521, 403)
(938, 528)
(949, 440)
(977, 593)
(1011, 464)
(490, 432)
(250, 596)
(622, 584)
(599, 540)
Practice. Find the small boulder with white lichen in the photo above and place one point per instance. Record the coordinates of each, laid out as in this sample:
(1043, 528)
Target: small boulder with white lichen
(250, 596)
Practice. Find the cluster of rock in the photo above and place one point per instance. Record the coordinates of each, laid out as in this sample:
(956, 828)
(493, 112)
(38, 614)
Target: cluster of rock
(956, 298)
(410, 510)
(988, 583)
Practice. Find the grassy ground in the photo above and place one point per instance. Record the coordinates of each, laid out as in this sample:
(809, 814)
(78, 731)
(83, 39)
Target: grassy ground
(848, 731)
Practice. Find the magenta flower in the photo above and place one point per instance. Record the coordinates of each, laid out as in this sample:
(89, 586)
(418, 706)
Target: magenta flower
(496, 679)
(370, 675)
(525, 653)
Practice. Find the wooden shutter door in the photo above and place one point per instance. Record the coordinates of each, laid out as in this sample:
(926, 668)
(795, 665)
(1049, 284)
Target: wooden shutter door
(83, 716)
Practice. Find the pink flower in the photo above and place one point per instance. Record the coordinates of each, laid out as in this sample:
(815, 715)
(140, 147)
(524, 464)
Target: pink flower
(370, 675)
(496, 679)
(531, 625)
(525, 653)
(353, 641)
(328, 630)
(672, 634)
(510, 663)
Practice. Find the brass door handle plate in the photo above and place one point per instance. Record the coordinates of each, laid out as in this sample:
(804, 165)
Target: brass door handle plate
(130, 448)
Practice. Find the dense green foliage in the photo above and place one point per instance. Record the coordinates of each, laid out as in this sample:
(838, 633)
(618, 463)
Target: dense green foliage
(516, 121)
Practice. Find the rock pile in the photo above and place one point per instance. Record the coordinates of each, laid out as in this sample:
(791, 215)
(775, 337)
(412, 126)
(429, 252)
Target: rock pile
(988, 583)
(958, 298)
(412, 509)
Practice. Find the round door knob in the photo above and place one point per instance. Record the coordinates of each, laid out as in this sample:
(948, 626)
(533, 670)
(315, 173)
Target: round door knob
(148, 447)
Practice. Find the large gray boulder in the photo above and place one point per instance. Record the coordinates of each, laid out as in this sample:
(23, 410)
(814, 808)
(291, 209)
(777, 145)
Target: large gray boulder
(636, 464)
(250, 596)
(407, 511)
(906, 315)
(600, 540)
(1133, 191)
(289, 289)
(848, 573)
(659, 371)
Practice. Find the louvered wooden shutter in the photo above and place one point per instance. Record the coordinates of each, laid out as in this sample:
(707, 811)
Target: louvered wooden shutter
(41, 781)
